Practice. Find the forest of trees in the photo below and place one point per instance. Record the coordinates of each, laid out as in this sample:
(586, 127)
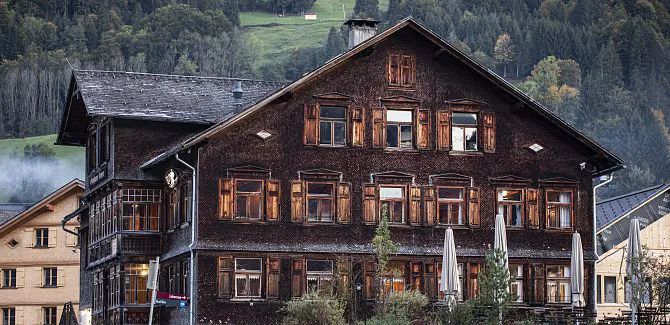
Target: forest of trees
(603, 66)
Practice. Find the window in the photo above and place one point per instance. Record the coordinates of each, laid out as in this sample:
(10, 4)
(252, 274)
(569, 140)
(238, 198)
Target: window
(332, 125)
(248, 273)
(464, 131)
(319, 275)
(135, 285)
(394, 280)
(599, 289)
(450, 203)
(401, 70)
(320, 202)
(510, 206)
(460, 295)
(114, 286)
(141, 209)
(42, 237)
(103, 217)
(644, 290)
(172, 279)
(558, 284)
(98, 146)
(8, 316)
(393, 201)
(610, 289)
(473, 280)
(50, 277)
(516, 274)
(185, 266)
(399, 129)
(559, 209)
(49, 315)
(9, 278)
(12, 243)
(179, 205)
(248, 198)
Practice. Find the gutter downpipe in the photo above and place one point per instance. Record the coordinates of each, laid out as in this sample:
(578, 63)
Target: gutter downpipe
(610, 177)
(193, 225)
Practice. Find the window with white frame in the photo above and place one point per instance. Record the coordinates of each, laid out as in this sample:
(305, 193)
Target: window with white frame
(8, 316)
(248, 199)
(248, 275)
(394, 279)
(559, 209)
(141, 209)
(332, 125)
(320, 202)
(9, 278)
(558, 284)
(50, 275)
(610, 289)
(450, 202)
(136, 277)
(392, 199)
(49, 316)
(41, 237)
(510, 206)
(516, 274)
(463, 131)
(460, 295)
(399, 132)
(319, 275)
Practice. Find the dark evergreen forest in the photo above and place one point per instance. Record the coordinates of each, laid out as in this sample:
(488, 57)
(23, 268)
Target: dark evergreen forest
(604, 66)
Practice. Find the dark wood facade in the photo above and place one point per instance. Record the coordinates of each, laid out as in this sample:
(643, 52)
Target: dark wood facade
(299, 179)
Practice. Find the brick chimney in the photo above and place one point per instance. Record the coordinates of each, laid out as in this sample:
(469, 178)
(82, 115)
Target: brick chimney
(360, 29)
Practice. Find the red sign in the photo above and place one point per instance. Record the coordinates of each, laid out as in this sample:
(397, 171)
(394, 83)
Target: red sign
(172, 296)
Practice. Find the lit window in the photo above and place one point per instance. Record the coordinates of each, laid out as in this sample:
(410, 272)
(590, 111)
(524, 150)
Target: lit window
(332, 125)
(558, 284)
(394, 280)
(248, 273)
(450, 206)
(136, 283)
(141, 210)
(320, 202)
(399, 129)
(393, 201)
(559, 209)
(319, 276)
(464, 131)
(516, 274)
(510, 206)
(248, 198)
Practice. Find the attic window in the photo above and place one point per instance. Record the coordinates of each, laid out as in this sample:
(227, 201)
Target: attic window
(263, 134)
(12, 243)
(536, 147)
(401, 70)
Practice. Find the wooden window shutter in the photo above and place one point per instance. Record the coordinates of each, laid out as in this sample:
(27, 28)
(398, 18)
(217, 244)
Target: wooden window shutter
(537, 284)
(532, 206)
(393, 70)
(415, 205)
(429, 204)
(379, 128)
(344, 203)
(369, 204)
(29, 237)
(60, 281)
(297, 202)
(53, 237)
(226, 199)
(272, 200)
(443, 130)
(408, 70)
(369, 278)
(273, 278)
(489, 134)
(225, 276)
(297, 270)
(311, 132)
(473, 206)
(423, 129)
(357, 126)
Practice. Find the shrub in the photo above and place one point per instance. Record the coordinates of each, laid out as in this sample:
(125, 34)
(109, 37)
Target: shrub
(458, 314)
(315, 309)
(410, 303)
(389, 318)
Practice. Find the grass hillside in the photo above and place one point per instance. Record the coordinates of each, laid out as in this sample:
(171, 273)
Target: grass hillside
(11, 147)
(277, 36)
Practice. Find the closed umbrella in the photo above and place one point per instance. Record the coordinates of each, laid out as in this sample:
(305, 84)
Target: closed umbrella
(634, 248)
(449, 285)
(500, 238)
(577, 271)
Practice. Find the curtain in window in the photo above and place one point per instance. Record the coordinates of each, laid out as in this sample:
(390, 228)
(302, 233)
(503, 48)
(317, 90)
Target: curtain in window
(564, 197)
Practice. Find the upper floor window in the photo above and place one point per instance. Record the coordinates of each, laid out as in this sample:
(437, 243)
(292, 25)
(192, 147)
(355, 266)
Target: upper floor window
(401, 70)
(8, 316)
(332, 125)
(320, 202)
(251, 197)
(136, 278)
(559, 209)
(8, 278)
(41, 237)
(179, 204)
(248, 199)
(248, 277)
(140, 209)
(399, 129)
(320, 197)
(98, 146)
(50, 277)
(392, 200)
(450, 202)
(103, 217)
(464, 131)
(510, 206)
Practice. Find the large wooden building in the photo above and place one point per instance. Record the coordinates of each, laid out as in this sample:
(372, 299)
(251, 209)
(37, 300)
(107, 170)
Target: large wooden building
(255, 192)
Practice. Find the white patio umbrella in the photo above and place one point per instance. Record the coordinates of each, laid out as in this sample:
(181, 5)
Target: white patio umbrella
(634, 248)
(577, 271)
(500, 238)
(449, 285)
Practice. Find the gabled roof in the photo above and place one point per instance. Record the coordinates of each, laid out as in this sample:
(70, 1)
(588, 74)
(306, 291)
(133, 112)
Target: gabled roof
(609, 161)
(610, 210)
(44, 204)
(159, 97)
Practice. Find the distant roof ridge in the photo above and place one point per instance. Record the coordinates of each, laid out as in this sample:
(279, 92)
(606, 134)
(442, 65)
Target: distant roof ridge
(176, 75)
(655, 187)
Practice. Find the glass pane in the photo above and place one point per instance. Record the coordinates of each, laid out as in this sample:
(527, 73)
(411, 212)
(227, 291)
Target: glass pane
(249, 264)
(398, 216)
(510, 195)
(464, 118)
(324, 132)
(326, 210)
(241, 203)
(334, 112)
(455, 217)
(471, 139)
(312, 284)
(405, 136)
(320, 189)
(340, 133)
(319, 266)
(255, 285)
(390, 192)
(515, 218)
(392, 136)
(312, 210)
(558, 197)
(443, 212)
(398, 116)
(450, 193)
(248, 186)
(241, 286)
(457, 138)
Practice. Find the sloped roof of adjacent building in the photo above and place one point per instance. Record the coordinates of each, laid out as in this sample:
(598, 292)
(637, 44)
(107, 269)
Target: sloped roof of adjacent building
(6, 215)
(609, 210)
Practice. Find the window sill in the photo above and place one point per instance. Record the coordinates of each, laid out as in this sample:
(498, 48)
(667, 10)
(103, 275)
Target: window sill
(445, 226)
(393, 150)
(398, 87)
(246, 299)
(49, 287)
(465, 153)
(320, 223)
(9, 288)
(560, 230)
(41, 247)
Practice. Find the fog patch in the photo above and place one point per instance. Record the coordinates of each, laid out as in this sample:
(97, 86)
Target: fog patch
(28, 179)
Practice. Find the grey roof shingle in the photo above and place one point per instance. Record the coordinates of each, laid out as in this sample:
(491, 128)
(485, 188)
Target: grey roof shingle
(186, 99)
(6, 215)
(610, 209)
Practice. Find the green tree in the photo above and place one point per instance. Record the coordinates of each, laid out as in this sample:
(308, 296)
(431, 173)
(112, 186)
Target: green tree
(383, 247)
(334, 44)
(185, 66)
(494, 298)
(366, 9)
(504, 51)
